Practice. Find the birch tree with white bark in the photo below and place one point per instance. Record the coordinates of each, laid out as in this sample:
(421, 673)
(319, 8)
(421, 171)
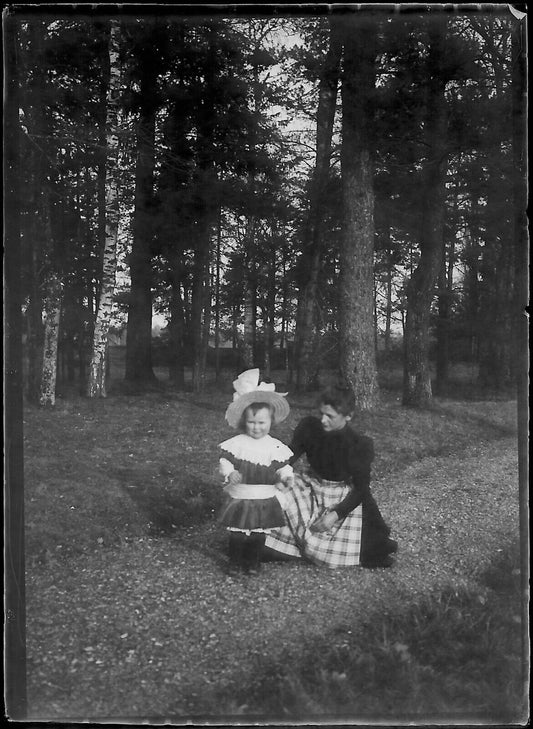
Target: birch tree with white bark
(97, 369)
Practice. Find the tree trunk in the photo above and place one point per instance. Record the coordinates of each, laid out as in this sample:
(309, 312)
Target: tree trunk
(284, 300)
(206, 323)
(388, 304)
(101, 170)
(52, 311)
(97, 384)
(417, 391)
(444, 313)
(199, 301)
(35, 253)
(270, 312)
(176, 365)
(375, 314)
(53, 293)
(356, 301)
(175, 178)
(34, 320)
(313, 243)
(247, 351)
(139, 331)
(218, 265)
(496, 351)
(208, 205)
(234, 328)
(35, 256)
(471, 279)
(44, 263)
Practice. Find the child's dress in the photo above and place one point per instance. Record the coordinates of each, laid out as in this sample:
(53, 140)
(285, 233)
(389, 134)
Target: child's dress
(255, 504)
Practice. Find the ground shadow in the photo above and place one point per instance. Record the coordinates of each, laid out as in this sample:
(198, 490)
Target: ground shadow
(168, 506)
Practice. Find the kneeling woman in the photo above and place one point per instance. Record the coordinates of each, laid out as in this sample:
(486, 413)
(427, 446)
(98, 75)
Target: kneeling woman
(332, 518)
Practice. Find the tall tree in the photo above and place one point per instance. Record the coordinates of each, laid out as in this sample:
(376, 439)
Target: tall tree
(205, 207)
(313, 237)
(45, 269)
(445, 300)
(52, 315)
(258, 59)
(148, 52)
(36, 124)
(497, 274)
(173, 201)
(97, 370)
(417, 390)
(356, 312)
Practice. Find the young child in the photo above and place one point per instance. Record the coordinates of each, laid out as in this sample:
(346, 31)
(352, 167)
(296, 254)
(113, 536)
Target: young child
(251, 464)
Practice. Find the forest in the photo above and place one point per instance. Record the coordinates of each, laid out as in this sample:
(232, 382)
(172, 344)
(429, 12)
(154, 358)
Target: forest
(285, 192)
(292, 192)
(335, 194)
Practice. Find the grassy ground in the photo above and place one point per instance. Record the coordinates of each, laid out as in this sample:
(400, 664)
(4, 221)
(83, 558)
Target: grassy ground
(130, 612)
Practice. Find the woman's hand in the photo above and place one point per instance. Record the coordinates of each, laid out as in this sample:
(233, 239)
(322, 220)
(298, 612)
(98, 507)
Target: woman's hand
(325, 522)
(235, 477)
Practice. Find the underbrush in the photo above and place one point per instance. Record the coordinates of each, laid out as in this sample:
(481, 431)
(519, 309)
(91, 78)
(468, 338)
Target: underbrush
(457, 654)
(101, 472)
(462, 383)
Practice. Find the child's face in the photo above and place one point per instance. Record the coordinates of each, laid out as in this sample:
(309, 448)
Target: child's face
(257, 424)
(331, 419)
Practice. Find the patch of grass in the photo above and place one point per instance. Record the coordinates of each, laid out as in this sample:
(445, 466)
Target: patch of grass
(504, 574)
(97, 473)
(168, 506)
(458, 651)
(101, 472)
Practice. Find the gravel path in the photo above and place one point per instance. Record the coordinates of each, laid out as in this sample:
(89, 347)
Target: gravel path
(155, 628)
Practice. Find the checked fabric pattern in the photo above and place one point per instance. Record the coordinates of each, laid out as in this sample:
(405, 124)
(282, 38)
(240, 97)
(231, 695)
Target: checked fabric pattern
(304, 503)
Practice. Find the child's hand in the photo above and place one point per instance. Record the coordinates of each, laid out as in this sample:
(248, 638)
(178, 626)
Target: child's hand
(284, 485)
(235, 477)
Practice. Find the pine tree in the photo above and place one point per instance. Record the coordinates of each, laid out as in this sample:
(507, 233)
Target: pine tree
(356, 304)
(417, 389)
(313, 234)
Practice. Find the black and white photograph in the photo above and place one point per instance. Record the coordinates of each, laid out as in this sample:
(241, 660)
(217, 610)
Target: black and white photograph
(266, 300)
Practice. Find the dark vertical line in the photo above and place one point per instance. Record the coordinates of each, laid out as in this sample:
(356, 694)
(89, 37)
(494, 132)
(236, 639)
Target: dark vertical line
(15, 616)
(519, 86)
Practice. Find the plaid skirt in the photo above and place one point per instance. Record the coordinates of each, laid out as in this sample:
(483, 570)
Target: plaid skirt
(304, 503)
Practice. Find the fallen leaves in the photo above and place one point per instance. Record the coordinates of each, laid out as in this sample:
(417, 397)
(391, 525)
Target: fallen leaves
(152, 621)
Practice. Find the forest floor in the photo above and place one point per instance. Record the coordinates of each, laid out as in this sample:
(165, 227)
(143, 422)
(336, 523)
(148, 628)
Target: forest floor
(130, 613)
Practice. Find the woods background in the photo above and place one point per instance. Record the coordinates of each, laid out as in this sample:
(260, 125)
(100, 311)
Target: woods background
(297, 193)
(325, 197)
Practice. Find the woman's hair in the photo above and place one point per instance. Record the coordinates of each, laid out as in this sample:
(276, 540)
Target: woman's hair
(340, 399)
(254, 407)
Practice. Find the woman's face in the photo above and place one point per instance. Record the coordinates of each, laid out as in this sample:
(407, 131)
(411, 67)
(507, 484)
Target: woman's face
(331, 419)
(257, 424)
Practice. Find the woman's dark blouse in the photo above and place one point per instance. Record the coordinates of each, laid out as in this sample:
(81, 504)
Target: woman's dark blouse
(340, 455)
